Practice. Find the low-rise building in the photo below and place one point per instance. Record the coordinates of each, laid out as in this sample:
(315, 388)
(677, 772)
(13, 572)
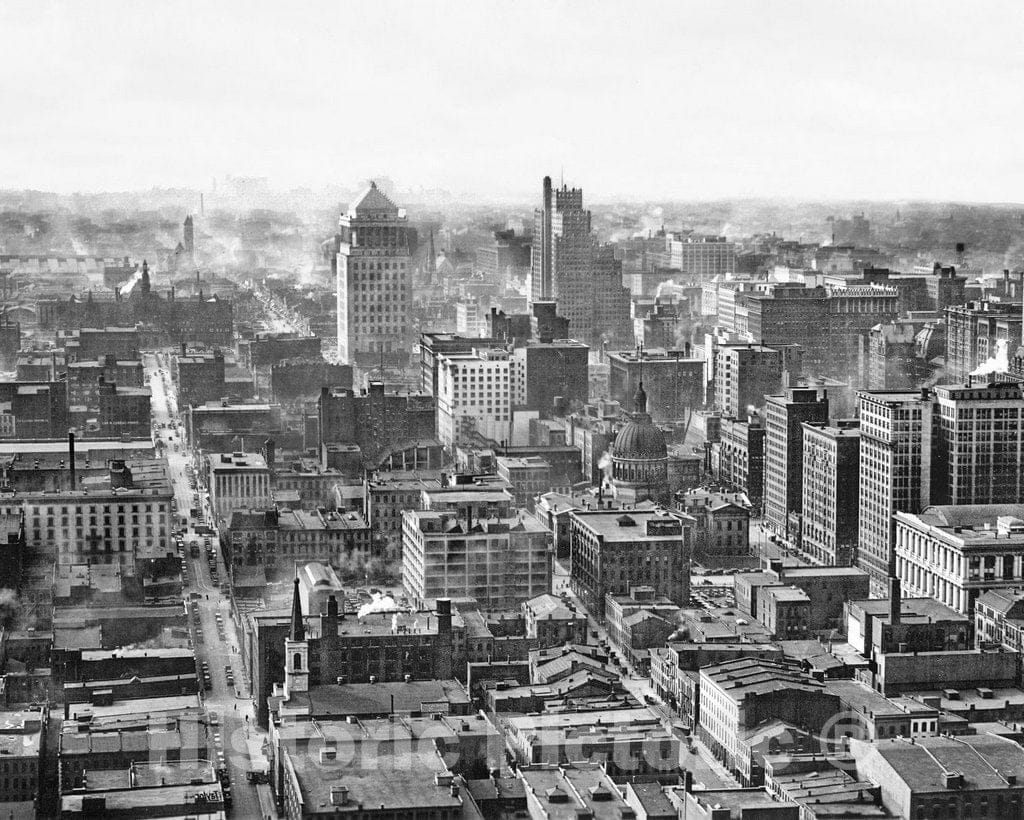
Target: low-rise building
(22, 744)
(873, 716)
(956, 553)
(999, 619)
(675, 670)
(237, 481)
(632, 738)
(880, 625)
(613, 550)
(721, 534)
(278, 539)
(823, 786)
(785, 611)
(116, 742)
(739, 696)
(827, 589)
(526, 477)
(577, 691)
(474, 544)
(638, 621)
(731, 804)
(978, 776)
(568, 791)
(386, 497)
(120, 517)
(145, 789)
(386, 646)
(554, 621)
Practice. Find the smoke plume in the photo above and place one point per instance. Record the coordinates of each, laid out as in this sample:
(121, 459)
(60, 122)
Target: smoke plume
(10, 608)
(380, 603)
(998, 362)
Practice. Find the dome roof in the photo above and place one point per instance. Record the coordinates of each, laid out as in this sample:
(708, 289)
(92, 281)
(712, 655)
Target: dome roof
(640, 440)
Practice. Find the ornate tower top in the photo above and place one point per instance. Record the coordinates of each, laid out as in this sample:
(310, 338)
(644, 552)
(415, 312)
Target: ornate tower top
(298, 629)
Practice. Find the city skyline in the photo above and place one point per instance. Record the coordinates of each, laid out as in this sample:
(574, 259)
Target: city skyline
(679, 101)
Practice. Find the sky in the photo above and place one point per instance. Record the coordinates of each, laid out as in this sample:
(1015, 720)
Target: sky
(640, 100)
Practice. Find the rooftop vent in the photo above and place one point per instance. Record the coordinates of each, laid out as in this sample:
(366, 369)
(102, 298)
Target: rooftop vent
(953, 780)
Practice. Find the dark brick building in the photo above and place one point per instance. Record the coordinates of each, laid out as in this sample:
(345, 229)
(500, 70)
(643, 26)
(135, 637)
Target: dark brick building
(375, 421)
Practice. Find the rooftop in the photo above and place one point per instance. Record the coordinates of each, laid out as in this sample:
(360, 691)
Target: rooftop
(985, 761)
(236, 461)
(747, 675)
(418, 782)
(630, 525)
(384, 698)
(866, 700)
(551, 606)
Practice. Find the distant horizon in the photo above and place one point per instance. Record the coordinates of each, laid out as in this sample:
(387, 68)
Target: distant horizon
(663, 101)
(534, 200)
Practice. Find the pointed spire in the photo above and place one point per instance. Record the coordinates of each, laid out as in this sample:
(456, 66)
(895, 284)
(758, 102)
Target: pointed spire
(431, 272)
(298, 630)
(640, 399)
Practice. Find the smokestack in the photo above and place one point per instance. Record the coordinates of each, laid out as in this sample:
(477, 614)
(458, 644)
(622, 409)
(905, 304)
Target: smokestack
(183, 353)
(895, 601)
(444, 615)
(71, 456)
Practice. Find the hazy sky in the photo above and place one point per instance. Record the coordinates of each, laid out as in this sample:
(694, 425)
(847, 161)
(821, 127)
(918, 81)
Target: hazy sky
(677, 99)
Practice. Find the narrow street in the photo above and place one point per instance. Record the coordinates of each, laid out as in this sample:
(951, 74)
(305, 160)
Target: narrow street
(235, 737)
(705, 767)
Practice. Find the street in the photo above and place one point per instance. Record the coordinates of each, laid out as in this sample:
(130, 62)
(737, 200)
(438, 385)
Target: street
(705, 768)
(236, 737)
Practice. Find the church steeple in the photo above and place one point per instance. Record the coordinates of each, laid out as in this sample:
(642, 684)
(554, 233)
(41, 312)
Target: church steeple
(296, 651)
(298, 629)
(431, 272)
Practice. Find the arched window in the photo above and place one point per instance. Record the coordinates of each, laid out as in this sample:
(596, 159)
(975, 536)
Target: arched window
(297, 661)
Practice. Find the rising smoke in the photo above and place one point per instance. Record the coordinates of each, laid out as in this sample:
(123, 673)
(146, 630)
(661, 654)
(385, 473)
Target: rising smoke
(998, 362)
(10, 608)
(380, 603)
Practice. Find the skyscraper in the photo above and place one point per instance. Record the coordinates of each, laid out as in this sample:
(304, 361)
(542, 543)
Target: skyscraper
(373, 281)
(896, 438)
(540, 257)
(583, 277)
(831, 472)
(979, 444)
(784, 451)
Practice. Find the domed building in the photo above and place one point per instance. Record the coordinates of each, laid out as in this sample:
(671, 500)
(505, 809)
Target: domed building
(640, 458)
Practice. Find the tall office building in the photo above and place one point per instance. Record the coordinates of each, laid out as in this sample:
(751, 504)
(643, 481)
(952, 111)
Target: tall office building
(745, 374)
(373, 284)
(700, 257)
(896, 441)
(784, 451)
(474, 395)
(568, 266)
(973, 332)
(740, 457)
(979, 444)
(831, 472)
(540, 255)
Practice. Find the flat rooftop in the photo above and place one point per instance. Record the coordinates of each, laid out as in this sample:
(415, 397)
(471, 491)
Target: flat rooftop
(402, 788)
